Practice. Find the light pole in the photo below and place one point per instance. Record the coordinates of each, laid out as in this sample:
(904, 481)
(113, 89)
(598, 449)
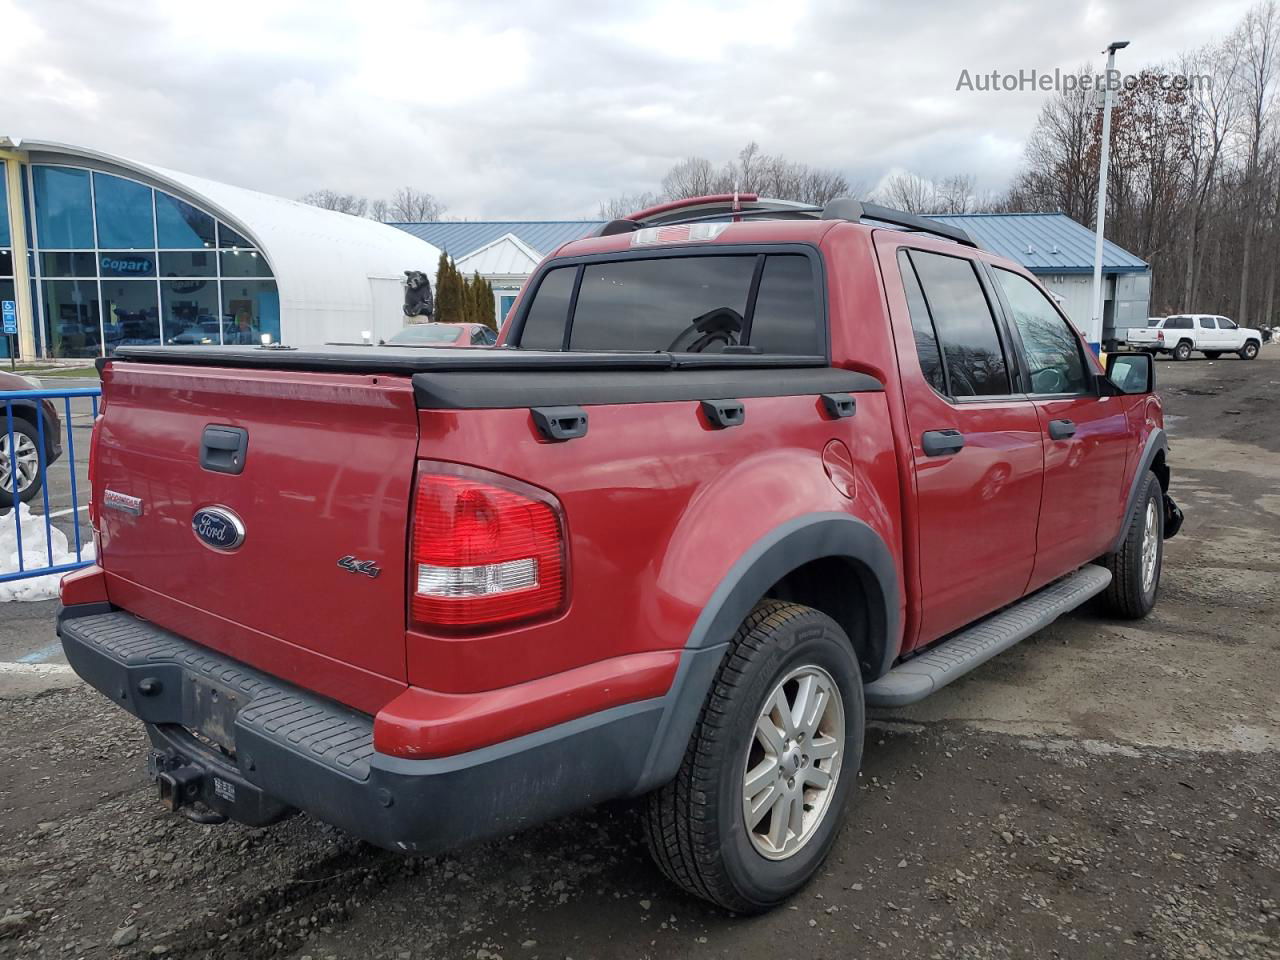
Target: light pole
(1095, 325)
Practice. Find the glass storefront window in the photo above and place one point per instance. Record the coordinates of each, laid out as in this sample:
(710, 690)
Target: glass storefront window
(71, 318)
(124, 213)
(197, 263)
(68, 265)
(244, 263)
(64, 208)
(6, 264)
(4, 207)
(130, 313)
(229, 238)
(190, 311)
(126, 263)
(250, 308)
(182, 226)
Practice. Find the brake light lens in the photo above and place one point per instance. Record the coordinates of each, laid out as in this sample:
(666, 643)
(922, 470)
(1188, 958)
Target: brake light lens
(1160, 335)
(485, 550)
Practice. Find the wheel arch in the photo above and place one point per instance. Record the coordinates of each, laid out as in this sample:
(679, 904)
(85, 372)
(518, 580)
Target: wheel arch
(1154, 458)
(801, 561)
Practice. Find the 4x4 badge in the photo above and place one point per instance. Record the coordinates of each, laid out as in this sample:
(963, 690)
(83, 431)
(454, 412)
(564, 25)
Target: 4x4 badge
(368, 567)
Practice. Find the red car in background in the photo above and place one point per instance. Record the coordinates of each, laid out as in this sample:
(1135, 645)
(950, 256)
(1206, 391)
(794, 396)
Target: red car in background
(443, 335)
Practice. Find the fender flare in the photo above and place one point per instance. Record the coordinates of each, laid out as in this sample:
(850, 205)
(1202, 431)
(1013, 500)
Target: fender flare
(784, 549)
(1157, 443)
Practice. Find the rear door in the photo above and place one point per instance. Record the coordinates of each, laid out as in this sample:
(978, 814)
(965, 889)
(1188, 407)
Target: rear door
(324, 474)
(976, 442)
(1086, 435)
(1208, 337)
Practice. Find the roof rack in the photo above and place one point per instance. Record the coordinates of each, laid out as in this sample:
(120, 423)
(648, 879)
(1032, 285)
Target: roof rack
(719, 206)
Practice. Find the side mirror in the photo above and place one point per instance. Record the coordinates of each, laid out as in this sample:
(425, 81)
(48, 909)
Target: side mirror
(1132, 373)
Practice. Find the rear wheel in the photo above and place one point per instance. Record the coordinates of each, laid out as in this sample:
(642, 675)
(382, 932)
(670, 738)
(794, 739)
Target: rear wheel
(1213, 354)
(1135, 567)
(27, 462)
(1182, 351)
(759, 798)
(1249, 351)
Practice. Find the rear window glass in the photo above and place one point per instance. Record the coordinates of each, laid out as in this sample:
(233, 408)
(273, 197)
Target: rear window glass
(544, 323)
(695, 304)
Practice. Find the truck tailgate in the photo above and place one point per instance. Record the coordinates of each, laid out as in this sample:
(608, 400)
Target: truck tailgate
(326, 475)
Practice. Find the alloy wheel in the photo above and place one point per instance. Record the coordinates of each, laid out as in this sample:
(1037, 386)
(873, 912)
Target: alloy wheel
(793, 762)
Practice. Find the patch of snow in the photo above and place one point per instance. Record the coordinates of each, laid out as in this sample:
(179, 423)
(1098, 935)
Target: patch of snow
(35, 554)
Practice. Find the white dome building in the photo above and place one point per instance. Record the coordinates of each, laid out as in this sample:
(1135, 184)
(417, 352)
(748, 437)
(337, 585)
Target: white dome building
(97, 251)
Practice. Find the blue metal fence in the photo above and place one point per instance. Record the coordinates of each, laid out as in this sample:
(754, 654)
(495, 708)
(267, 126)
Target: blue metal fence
(31, 407)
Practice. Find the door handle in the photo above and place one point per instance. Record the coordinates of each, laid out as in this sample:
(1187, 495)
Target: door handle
(1061, 429)
(940, 443)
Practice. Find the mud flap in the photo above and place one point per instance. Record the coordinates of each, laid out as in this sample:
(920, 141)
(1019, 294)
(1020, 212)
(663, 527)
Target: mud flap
(1172, 518)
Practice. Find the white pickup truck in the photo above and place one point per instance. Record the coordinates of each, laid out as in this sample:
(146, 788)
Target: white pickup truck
(1210, 334)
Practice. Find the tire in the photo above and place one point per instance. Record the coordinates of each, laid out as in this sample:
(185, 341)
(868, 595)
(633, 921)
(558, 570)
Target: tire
(697, 826)
(31, 460)
(1183, 350)
(1213, 354)
(1249, 351)
(1131, 594)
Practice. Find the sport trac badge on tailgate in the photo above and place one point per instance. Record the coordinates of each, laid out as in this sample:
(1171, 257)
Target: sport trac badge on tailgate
(218, 527)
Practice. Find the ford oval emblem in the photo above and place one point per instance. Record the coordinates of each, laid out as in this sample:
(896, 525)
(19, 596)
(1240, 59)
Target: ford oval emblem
(218, 527)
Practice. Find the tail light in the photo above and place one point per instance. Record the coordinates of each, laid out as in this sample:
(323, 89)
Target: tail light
(484, 550)
(1160, 335)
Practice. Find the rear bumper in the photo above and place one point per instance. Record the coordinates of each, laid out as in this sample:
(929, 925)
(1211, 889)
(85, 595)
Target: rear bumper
(254, 748)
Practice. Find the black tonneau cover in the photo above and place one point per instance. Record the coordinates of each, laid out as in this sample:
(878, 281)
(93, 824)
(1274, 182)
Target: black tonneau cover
(336, 358)
(447, 378)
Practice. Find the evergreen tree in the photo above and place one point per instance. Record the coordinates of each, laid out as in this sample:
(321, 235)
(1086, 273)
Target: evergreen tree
(488, 309)
(446, 297)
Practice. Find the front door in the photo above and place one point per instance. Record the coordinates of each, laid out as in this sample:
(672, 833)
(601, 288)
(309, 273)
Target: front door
(1086, 434)
(976, 444)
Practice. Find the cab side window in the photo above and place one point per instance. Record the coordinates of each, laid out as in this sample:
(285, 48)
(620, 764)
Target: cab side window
(922, 326)
(973, 357)
(1051, 346)
(1206, 323)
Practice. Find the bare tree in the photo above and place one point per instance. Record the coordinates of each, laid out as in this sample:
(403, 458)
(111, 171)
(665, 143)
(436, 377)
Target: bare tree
(340, 202)
(955, 194)
(691, 177)
(1258, 37)
(409, 205)
(906, 191)
(753, 171)
(620, 207)
(379, 210)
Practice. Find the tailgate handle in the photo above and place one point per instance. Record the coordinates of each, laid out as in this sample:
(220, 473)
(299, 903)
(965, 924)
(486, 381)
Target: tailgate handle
(724, 413)
(560, 423)
(222, 449)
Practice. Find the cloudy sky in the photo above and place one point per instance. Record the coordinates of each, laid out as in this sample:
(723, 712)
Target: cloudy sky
(542, 109)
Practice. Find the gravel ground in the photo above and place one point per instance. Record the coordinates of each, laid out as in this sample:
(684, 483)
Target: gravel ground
(1101, 790)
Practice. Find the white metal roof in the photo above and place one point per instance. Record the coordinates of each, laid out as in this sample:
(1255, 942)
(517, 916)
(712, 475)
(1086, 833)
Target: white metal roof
(507, 255)
(327, 265)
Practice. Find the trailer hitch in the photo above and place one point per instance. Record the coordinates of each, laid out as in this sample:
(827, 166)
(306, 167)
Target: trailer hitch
(179, 785)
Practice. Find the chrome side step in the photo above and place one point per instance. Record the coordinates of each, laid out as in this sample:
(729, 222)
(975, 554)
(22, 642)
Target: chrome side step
(920, 676)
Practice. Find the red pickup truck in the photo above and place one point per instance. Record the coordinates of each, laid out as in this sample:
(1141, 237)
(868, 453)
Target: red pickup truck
(736, 470)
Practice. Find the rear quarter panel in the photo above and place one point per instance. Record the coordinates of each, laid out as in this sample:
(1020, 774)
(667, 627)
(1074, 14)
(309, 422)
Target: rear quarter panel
(659, 506)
